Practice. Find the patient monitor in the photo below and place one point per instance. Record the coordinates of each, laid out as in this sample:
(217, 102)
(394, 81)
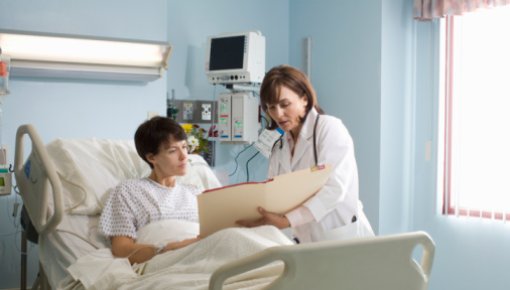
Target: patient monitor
(236, 58)
(237, 61)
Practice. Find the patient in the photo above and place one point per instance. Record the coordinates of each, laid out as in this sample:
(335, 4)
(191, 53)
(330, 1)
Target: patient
(134, 203)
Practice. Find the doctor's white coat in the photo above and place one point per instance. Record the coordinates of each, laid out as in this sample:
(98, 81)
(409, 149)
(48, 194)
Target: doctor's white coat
(336, 205)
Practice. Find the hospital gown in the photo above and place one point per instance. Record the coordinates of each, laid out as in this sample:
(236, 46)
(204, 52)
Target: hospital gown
(135, 203)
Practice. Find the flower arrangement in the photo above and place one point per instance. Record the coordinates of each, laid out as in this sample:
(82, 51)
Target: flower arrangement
(197, 140)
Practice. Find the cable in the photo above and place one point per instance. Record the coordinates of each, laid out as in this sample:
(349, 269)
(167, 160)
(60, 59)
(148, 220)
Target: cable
(247, 169)
(214, 110)
(266, 120)
(237, 156)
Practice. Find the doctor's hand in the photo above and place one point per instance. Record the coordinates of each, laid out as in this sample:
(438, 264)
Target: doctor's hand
(268, 218)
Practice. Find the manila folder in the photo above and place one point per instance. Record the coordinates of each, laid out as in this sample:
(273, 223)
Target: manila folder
(221, 207)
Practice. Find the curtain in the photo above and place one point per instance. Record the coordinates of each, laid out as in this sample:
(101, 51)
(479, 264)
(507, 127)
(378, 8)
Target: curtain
(430, 9)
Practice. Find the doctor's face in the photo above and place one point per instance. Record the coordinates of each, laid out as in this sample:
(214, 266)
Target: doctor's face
(171, 159)
(288, 111)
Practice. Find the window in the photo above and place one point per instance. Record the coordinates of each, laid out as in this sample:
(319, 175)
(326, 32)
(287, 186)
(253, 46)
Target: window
(477, 114)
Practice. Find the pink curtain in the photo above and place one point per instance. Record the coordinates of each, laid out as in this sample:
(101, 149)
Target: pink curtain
(430, 9)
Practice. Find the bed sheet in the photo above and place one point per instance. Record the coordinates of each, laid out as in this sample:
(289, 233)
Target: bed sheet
(74, 237)
(185, 268)
(77, 234)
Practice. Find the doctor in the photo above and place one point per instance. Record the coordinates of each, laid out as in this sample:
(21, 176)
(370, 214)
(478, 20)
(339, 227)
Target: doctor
(311, 138)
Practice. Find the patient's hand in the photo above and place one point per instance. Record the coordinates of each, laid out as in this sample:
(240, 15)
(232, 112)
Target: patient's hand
(268, 218)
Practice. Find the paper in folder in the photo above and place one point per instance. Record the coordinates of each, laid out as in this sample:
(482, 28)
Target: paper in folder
(220, 208)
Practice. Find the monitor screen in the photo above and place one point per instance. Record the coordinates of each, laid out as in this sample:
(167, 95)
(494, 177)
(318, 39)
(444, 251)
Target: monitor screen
(227, 53)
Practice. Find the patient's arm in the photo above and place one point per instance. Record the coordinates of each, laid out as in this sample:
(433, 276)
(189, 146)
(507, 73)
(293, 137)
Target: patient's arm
(127, 247)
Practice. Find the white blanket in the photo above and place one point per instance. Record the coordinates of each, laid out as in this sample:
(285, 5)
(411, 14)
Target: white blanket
(186, 268)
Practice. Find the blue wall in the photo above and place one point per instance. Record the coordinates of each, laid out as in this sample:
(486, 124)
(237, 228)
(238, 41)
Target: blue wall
(345, 71)
(74, 109)
(396, 130)
(59, 108)
(372, 65)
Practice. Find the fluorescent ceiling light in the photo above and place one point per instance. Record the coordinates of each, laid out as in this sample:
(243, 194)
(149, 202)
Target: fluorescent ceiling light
(63, 56)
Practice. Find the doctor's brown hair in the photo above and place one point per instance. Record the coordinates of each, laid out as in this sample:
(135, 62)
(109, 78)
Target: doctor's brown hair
(291, 78)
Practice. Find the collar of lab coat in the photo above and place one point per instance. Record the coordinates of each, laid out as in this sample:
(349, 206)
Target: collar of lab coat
(305, 139)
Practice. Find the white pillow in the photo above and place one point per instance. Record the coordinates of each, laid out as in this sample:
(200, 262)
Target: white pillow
(90, 168)
(166, 231)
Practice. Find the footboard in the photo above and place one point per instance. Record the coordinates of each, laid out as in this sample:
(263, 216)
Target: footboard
(384, 262)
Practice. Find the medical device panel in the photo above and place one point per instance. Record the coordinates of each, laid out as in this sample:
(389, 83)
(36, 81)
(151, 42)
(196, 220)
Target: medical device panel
(236, 58)
(5, 174)
(238, 117)
(225, 117)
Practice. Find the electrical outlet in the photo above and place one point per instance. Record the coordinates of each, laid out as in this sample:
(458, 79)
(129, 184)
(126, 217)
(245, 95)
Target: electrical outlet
(187, 111)
(206, 112)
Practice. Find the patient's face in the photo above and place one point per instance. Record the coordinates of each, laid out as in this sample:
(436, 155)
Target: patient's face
(171, 159)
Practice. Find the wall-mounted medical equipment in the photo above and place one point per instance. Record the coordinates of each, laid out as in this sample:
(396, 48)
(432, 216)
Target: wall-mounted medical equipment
(5, 181)
(5, 174)
(77, 57)
(193, 111)
(238, 117)
(236, 58)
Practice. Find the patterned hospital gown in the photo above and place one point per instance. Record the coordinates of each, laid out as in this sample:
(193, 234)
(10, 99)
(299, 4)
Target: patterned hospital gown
(135, 203)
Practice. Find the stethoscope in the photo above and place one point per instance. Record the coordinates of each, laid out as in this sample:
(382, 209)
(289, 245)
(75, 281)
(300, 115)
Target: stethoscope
(280, 140)
(354, 217)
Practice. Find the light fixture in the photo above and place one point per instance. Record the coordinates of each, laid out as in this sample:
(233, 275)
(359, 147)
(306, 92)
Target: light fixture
(65, 56)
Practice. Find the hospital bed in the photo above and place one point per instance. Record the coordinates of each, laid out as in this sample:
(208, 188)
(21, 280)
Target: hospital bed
(63, 185)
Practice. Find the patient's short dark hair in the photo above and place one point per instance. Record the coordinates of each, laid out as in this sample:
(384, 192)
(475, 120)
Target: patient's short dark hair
(154, 132)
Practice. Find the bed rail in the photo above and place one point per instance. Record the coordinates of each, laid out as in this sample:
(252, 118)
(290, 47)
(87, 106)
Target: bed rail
(38, 182)
(383, 262)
